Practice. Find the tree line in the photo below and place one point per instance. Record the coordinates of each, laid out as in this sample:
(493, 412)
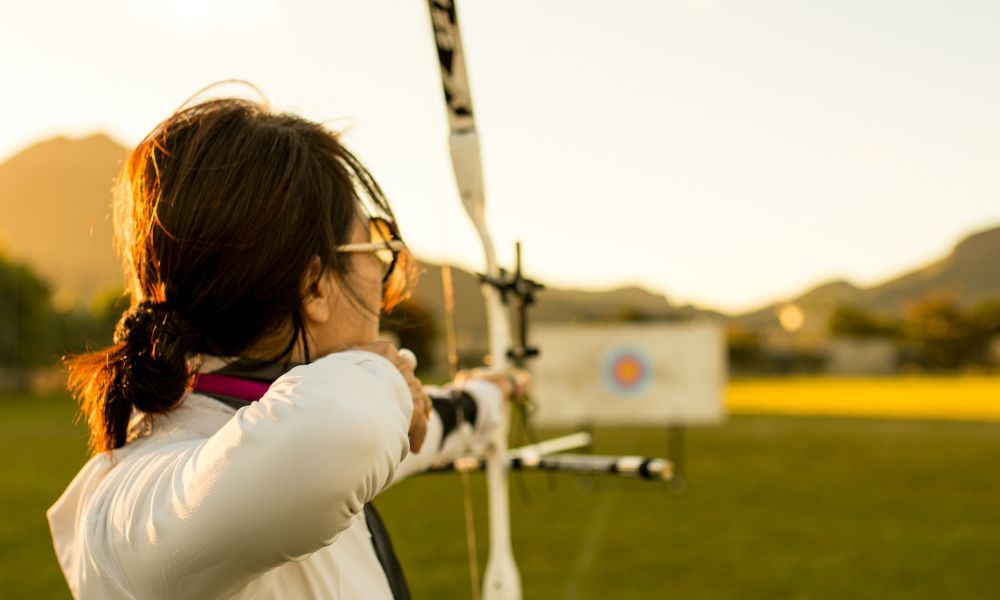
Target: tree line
(935, 333)
(35, 333)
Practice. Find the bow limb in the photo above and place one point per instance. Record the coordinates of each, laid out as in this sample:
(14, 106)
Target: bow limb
(502, 580)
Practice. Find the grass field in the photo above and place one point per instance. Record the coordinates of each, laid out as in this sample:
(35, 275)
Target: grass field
(775, 507)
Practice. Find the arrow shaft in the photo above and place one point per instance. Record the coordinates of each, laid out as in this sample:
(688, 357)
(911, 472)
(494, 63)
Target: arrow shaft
(642, 467)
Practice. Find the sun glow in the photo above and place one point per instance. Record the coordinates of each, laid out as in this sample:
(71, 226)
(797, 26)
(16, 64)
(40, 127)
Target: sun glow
(791, 317)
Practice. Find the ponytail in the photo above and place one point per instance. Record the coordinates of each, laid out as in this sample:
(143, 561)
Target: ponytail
(144, 369)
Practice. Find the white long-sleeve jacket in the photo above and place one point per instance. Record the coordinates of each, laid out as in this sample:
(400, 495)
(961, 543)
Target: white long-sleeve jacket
(263, 502)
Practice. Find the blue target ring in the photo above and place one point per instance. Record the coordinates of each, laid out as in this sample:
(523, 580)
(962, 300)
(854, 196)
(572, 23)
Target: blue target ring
(627, 371)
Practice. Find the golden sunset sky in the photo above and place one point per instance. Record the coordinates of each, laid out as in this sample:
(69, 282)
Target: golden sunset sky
(723, 152)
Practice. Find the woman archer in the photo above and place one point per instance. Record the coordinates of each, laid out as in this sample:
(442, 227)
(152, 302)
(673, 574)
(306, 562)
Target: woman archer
(246, 414)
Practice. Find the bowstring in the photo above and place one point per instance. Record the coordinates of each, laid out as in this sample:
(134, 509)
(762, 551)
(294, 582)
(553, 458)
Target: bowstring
(451, 338)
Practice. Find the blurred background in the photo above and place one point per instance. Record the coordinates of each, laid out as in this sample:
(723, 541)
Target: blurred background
(817, 180)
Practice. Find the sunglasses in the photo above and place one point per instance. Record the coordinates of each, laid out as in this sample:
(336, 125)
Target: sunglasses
(385, 245)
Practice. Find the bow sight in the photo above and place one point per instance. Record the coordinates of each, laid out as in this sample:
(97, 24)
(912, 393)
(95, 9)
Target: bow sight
(518, 293)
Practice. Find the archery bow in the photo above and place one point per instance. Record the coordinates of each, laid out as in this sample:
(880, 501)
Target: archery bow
(502, 580)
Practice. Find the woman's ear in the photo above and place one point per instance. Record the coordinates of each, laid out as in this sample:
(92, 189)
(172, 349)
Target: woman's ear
(316, 290)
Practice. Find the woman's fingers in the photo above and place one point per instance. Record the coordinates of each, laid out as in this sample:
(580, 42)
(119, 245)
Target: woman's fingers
(418, 431)
(405, 362)
(421, 414)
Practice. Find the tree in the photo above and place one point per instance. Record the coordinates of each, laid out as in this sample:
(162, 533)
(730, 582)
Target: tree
(26, 326)
(33, 334)
(984, 320)
(856, 322)
(745, 349)
(936, 334)
(79, 329)
(985, 317)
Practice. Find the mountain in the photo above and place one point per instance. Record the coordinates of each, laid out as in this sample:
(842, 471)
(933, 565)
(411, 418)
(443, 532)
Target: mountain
(970, 274)
(60, 190)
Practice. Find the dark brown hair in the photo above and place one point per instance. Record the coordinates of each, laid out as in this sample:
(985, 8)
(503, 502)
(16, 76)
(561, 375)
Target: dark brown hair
(218, 212)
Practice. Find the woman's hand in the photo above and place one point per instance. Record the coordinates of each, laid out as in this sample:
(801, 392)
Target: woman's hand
(421, 402)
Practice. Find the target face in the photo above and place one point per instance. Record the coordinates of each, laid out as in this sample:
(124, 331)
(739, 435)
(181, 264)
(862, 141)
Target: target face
(627, 371)
(630, 374)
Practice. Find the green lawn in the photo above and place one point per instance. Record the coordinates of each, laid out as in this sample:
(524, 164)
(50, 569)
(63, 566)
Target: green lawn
(775, 507)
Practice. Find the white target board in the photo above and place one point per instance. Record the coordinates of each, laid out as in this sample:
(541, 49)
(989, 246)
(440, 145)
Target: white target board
(630, 374)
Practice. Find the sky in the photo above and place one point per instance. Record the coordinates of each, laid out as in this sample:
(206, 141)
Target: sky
(726, 153)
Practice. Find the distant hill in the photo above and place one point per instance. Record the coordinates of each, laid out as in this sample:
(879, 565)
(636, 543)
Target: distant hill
(55, 213)
(970, 274)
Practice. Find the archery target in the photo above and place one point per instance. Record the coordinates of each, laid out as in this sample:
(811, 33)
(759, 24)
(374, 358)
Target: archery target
(629, 374)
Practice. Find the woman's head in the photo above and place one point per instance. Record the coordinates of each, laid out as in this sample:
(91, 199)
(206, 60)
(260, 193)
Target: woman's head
(228, 218)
